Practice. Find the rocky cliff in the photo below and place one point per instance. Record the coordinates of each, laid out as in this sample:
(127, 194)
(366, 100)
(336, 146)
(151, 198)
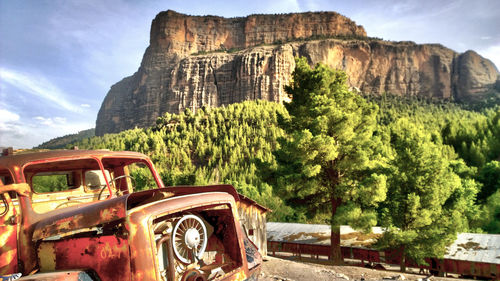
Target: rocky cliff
(212, 61)
(174, 33)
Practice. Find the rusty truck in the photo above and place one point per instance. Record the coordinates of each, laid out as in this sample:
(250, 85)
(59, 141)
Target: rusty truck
(104, 215)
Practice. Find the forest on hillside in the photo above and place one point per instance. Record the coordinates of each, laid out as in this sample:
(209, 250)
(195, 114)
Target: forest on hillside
(62, 142)
(235, 144)
(424, 169)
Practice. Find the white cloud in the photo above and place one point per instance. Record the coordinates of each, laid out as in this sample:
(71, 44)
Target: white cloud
(44, 121)
(20, 131)
(86, 105)
(47, 128)
(7, 116)
(492, 53)
(32, 132)
(11, 129)
(52, 122)
(38, 86)
(485, 37)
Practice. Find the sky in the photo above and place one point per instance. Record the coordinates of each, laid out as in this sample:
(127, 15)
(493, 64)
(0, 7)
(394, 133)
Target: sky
(59, 58)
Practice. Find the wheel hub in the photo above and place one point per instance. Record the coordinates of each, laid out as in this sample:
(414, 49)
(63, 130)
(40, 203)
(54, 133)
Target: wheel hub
(192, 238)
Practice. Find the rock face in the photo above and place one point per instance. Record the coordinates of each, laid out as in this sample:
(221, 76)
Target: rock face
(474, 75)
(176, 33)
(191, 62)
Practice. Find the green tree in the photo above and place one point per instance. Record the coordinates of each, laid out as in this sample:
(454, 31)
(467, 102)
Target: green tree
(212, 145)
(490, 220)
(424, 198)
(327, 163)
(50, 183)
(490, 177)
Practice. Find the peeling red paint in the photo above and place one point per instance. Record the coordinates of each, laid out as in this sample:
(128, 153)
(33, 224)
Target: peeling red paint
(116, 238)
(108, 256)
(8, 237)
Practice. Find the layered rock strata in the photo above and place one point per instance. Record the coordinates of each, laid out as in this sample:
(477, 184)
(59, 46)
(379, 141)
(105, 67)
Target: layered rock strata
(191, 63)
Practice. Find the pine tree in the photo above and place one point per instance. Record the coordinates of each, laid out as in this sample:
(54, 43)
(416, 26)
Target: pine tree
(327, 164)
(490, 177)
(422, 210)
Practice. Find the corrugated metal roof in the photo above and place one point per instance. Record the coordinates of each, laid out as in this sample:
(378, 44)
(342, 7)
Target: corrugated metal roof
(298, 232)
(468, 246)
(475, 247)
(318, 234)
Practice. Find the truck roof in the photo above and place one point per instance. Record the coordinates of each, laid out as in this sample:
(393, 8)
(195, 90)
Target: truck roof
(57, 155)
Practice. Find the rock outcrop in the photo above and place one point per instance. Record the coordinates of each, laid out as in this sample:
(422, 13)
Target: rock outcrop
(175, 33)
(212, 61)
(474, 75)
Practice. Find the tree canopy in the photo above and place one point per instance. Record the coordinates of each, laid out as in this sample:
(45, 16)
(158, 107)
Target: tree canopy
(241, 144)
(328, 164)
(423, 209)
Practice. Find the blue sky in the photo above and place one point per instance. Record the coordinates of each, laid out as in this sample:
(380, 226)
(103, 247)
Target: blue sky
(58, 58)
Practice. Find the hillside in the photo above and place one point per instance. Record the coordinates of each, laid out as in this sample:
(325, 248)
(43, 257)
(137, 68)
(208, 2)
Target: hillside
(62, 142)
(195, 61)
(235, 144)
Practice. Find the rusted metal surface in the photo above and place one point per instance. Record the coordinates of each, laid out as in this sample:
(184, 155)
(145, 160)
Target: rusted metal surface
(16, 163)
(253, 218)
(249, 201)
(20, 188)
(120, 236)
(253, 257)
(170, 252)
(80, 217)
(67, 217)
(108, 256)
(8, 236)
(185, 190)
(20, 160)
(274, 247)
(142, 258)
(467, 268)
(73, 275)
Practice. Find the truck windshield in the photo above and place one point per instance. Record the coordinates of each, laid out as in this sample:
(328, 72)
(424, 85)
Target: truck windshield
(66, 183)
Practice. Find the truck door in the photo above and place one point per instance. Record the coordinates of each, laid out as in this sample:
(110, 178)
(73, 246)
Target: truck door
(8, 235)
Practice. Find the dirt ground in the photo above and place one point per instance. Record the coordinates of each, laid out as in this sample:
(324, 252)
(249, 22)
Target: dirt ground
(287, 270)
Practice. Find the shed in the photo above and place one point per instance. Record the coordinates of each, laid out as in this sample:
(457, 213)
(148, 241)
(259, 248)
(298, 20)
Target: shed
(253, 217)
(319, 234)
(473, 247)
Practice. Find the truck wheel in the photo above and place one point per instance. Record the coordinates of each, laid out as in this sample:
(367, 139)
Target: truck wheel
(189, 239)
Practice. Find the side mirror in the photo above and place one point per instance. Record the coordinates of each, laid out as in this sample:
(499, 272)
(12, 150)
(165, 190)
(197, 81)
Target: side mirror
(22, 189)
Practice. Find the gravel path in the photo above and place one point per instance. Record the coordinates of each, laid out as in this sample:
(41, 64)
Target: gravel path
(281, 269)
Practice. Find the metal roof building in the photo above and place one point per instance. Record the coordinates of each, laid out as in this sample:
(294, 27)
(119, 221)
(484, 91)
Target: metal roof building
(467, 247)
(475, 247)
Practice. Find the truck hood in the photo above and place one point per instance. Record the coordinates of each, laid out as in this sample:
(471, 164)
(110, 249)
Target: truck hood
(60, 222)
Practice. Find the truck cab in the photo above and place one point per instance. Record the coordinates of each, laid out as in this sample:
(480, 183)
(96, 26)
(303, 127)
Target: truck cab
(103, 215)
